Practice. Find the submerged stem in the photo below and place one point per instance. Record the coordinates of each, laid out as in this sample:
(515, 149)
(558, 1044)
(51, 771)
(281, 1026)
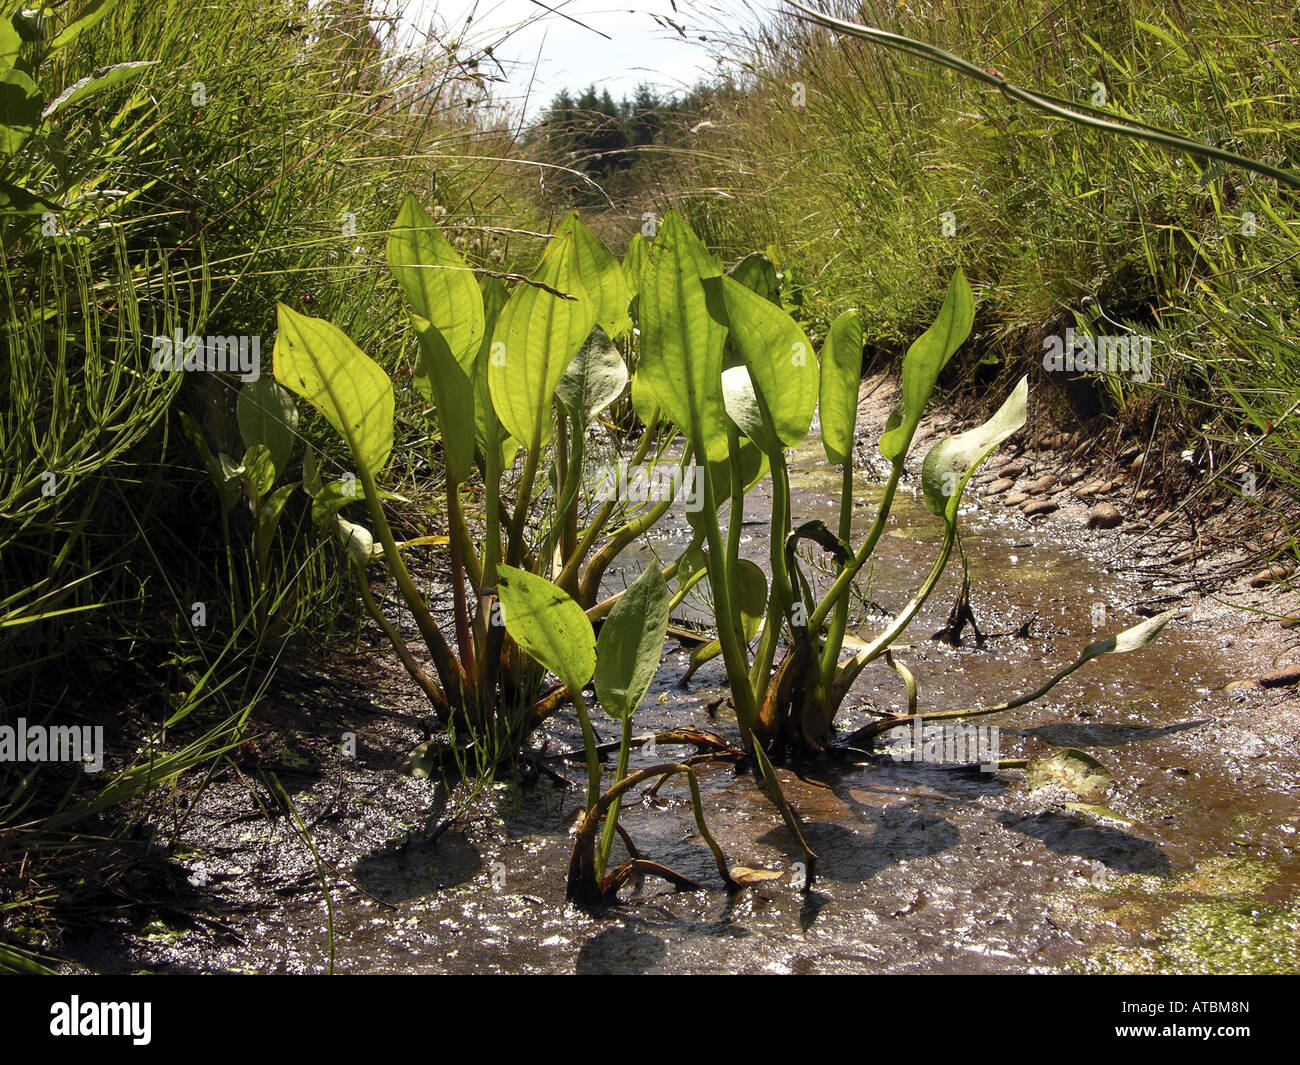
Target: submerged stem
(589, 744)
(611, 818)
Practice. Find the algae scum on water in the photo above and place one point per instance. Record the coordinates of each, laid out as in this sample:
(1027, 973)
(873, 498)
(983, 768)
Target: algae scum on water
(1211, 920)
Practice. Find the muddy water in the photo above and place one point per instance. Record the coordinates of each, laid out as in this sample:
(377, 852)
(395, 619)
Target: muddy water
(923, 867)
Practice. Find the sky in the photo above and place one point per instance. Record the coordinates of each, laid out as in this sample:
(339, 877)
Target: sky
(599, 42)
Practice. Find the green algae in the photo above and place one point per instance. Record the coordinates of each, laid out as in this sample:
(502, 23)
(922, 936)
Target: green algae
(1207, 921)
(1213, 938)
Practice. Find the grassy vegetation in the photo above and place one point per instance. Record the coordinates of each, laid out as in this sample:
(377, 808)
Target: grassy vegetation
(850, 157)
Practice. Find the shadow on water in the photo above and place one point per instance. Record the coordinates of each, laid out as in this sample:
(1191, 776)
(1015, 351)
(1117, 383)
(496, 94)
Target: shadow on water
(1103, 735)
(420, 868)
(1072, 836)
(856, 854)
(619, 951)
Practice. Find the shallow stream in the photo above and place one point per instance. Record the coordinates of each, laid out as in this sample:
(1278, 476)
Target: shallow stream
(923, 867)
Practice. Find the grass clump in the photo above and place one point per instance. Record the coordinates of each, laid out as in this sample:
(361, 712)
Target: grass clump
(873, 170)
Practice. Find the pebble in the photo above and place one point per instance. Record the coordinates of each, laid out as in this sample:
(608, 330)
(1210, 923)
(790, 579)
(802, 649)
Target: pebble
(1103, 516)
(1275, 572)
(1039, 506)
(1281, 678)
(999, 486)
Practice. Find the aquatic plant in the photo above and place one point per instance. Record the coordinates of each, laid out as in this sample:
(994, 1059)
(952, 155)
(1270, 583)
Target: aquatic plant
(733, 370)
(491, 365)
(722, 361)
(526, 371)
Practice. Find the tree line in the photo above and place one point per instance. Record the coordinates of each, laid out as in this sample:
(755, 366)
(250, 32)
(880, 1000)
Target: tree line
(603, 139)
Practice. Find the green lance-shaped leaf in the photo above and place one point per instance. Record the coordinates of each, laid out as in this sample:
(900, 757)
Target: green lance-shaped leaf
(631, 643)
(1075, 770)
(272, 509)
(627, 658)
(20, 201)
(758, 274)
(267, 415)
(452, 394)
(751, 597)
(87, 16)
(548, 625)
(536, 337)
(96, 82)
(841, 376)
(781, 364)
(950, 463)
(594, 379)
(20, 109)
(487, 426)
(644, 401)
(319, 362)
(924, 361)
(439, 286)
(256, 472)
(311, 475)
(633, 262)
(602, 276)
(10, 41)
(227, 487)
(682, 337)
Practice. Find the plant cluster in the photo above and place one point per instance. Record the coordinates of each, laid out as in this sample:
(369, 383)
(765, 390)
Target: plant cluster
(516, 379)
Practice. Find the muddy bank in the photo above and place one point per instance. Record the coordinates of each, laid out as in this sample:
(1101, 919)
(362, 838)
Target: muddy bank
(924, 867)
